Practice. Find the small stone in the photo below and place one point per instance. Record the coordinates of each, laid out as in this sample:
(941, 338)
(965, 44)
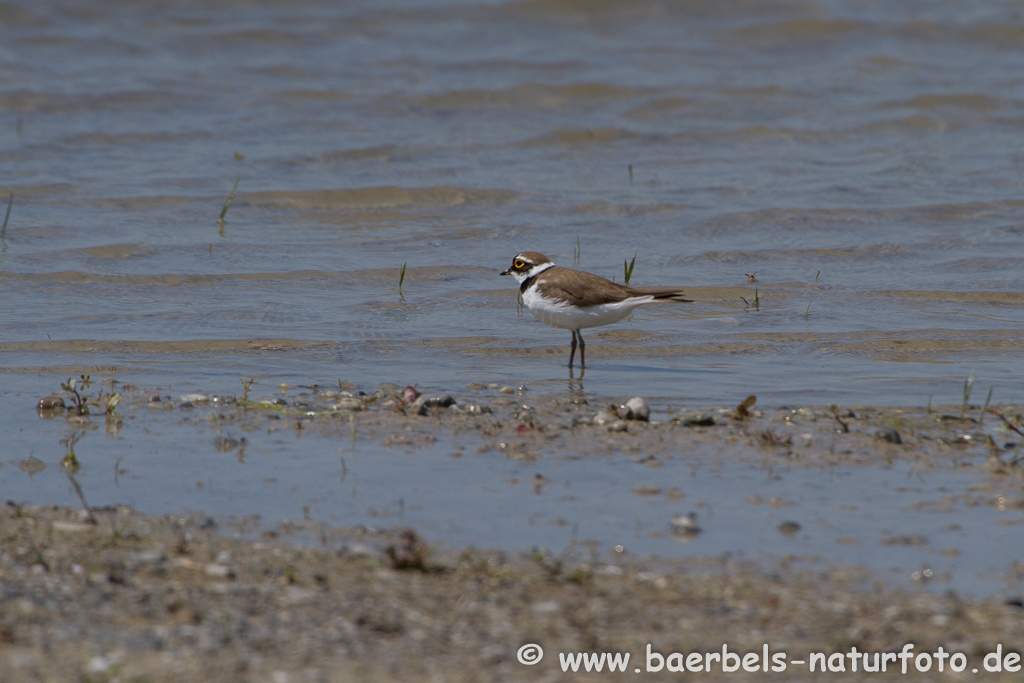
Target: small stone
(154, 556)
(217, 570)
(684, 527)
(652, 578)
(888, 434)
(694, 420)
(193, 398)
(506, 390)
(788, 528)
(50, 403)
(442, 401)
(603, 418)
(618, 426)
(357, 550)
(635, 408)
(353, 404)
(97, 665)
(481, 409)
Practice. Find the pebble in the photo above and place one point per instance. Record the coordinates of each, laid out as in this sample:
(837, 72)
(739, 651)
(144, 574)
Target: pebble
(888, 434)
(694, 420)
(154, 556)
(181, 617)
(789, 528)
(353, 404)
(652, 578)
(98, 665)
(442, 401)
(506, 390)
(635, 408)
(603, 418)
(217, 570)
(194, 398)
(684, 527)
(50, 403)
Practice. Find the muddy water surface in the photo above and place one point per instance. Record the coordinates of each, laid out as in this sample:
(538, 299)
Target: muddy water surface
(838, 186)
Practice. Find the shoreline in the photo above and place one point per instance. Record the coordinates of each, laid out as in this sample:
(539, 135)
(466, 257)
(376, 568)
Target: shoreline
(166, 598)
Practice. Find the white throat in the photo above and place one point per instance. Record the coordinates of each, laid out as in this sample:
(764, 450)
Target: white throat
(522, 277)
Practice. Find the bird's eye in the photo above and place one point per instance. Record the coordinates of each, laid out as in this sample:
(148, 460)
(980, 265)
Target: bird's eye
(519, 263)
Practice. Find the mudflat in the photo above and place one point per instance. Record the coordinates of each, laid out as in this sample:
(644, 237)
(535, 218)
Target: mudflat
(108, 593)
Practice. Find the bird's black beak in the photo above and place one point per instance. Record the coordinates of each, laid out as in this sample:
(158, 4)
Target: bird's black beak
(506, 272)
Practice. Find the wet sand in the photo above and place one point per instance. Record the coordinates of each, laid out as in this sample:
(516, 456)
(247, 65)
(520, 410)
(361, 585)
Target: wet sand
(127, 596)
(175, 598)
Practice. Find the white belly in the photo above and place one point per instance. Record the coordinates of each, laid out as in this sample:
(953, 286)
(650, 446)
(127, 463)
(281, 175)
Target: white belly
(559, 314)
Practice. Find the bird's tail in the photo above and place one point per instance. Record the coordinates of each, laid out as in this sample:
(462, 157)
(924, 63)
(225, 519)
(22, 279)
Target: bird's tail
(663, 294)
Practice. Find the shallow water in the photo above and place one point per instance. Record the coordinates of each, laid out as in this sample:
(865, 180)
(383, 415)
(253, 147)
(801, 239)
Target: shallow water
(863, 160)
(909, 517)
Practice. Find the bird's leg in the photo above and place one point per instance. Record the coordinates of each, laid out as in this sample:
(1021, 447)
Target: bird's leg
(583, 349)
(572, 349)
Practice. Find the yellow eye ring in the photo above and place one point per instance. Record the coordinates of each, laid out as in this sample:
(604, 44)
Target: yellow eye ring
(518, 263)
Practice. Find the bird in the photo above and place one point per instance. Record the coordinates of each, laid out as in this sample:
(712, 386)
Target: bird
(574, 300)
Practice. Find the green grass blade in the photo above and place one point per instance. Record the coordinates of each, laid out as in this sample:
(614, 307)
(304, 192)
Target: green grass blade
(628, 268)
(7, 218)
(227, 202)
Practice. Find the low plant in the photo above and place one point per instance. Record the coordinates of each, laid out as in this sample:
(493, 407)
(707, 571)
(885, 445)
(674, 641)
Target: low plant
(75, 389)
(628, 268)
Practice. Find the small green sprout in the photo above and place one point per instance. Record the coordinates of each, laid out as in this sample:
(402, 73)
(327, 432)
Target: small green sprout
(70, 460)
(227, 204)
(985, 408)
(627, 268)
(968, 385)
(7, 218)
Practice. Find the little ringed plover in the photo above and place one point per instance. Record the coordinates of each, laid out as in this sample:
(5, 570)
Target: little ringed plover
(573, 300)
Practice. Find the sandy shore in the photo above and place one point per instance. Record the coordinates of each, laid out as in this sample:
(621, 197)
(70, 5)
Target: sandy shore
(140, 598)
(116, 595)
